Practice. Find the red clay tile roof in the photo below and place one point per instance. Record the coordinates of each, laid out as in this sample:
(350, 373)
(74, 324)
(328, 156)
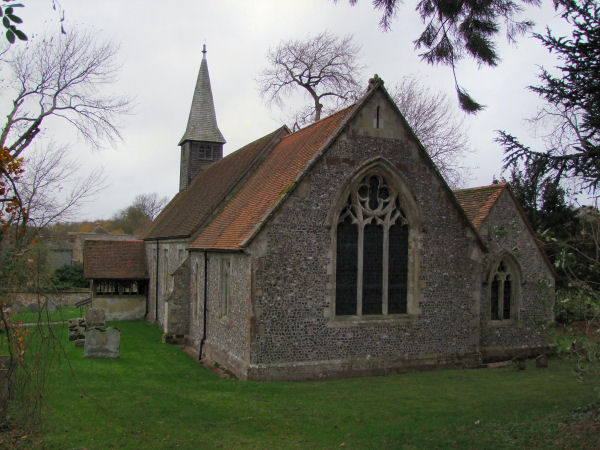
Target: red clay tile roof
(478, 202)
(271, 180)
(118, 259)
(189, 209)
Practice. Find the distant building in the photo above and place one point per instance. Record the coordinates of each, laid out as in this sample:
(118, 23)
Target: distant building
(118, 277)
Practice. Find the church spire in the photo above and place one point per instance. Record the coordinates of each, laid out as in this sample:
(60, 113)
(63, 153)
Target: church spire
(202, 142)
(202, 121)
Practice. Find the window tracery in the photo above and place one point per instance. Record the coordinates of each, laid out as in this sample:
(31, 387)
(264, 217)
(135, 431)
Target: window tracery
(503, 292)
(372, 251)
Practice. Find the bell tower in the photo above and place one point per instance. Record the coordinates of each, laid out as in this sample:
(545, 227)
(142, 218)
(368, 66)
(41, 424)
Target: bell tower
(202, 142)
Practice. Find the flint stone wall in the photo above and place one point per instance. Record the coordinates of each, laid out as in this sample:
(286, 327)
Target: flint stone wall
(292, 269)
(66, 298)
(504, 231)
(227, 341)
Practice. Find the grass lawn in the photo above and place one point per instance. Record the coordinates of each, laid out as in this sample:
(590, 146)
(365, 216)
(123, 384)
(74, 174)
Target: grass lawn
(155, 396)
(60, 314)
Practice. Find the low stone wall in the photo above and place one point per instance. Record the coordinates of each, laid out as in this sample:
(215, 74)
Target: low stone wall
(123, 307)
(67, 298)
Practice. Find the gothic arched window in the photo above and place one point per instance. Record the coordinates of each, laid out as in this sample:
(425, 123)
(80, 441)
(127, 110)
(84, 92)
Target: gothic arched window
(371, 251)
(504, 291)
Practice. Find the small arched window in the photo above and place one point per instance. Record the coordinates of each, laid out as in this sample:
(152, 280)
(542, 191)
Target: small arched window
(371, 251)
(504, 291)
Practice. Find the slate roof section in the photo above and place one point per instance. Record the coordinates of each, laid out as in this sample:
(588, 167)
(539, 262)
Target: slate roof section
(202, 121)
(478, 202)
(191, 208)
(267, 185)
(114, 259)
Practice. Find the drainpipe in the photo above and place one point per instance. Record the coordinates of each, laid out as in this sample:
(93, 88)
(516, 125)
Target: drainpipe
(156, 285)
(204, 306)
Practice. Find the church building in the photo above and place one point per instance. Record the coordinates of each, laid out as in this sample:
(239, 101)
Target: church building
(339, 250)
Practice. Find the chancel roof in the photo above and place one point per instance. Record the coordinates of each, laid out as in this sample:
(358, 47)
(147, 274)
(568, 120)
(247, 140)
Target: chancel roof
(267, 185)
(114, 259)
(202, 121)
(478, 202)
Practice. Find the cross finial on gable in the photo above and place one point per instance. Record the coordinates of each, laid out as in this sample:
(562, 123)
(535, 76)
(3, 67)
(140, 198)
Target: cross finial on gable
(203, 51)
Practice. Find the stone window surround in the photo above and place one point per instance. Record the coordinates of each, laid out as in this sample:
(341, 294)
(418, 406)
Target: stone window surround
(514, 269)
(382, 167)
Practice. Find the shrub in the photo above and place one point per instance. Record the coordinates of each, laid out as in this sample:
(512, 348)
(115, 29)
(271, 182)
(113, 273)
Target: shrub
(69, 276)
(575, 305)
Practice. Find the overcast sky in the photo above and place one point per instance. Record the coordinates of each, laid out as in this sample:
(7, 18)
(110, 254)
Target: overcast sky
(160, 52)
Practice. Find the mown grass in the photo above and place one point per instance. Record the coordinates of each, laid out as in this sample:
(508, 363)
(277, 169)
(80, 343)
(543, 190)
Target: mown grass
(43, 315)
(155, 396)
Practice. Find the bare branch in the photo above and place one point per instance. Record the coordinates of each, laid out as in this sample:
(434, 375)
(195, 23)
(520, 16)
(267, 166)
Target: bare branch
(51, 188)
(63, 77)
(437, 125)
(325, 66)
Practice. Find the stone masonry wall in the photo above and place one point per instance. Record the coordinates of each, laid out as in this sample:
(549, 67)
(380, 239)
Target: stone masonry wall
(67, 298)
(227, 336)
(505, 231)
(292, 272)
(171, 254)
(178, 302)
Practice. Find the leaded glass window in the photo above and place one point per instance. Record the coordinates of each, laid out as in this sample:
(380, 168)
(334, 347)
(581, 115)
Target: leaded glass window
(371, 251)
(503, 292)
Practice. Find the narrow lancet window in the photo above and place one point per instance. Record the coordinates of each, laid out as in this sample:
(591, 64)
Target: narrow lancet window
(503, 291)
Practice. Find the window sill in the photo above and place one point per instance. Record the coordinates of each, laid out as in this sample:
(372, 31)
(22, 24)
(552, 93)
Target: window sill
(365, 321)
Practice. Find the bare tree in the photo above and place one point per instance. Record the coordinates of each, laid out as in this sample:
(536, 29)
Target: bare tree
(60, 77)
(433, 119)
(325, 66)
(51, 188)
(137, 217)
(150, 204)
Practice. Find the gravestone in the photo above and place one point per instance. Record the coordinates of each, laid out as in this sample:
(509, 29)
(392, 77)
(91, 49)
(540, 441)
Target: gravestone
(102, 343)
(95, 317)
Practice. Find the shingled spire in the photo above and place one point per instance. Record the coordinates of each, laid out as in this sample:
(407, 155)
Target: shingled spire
(202, 142)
